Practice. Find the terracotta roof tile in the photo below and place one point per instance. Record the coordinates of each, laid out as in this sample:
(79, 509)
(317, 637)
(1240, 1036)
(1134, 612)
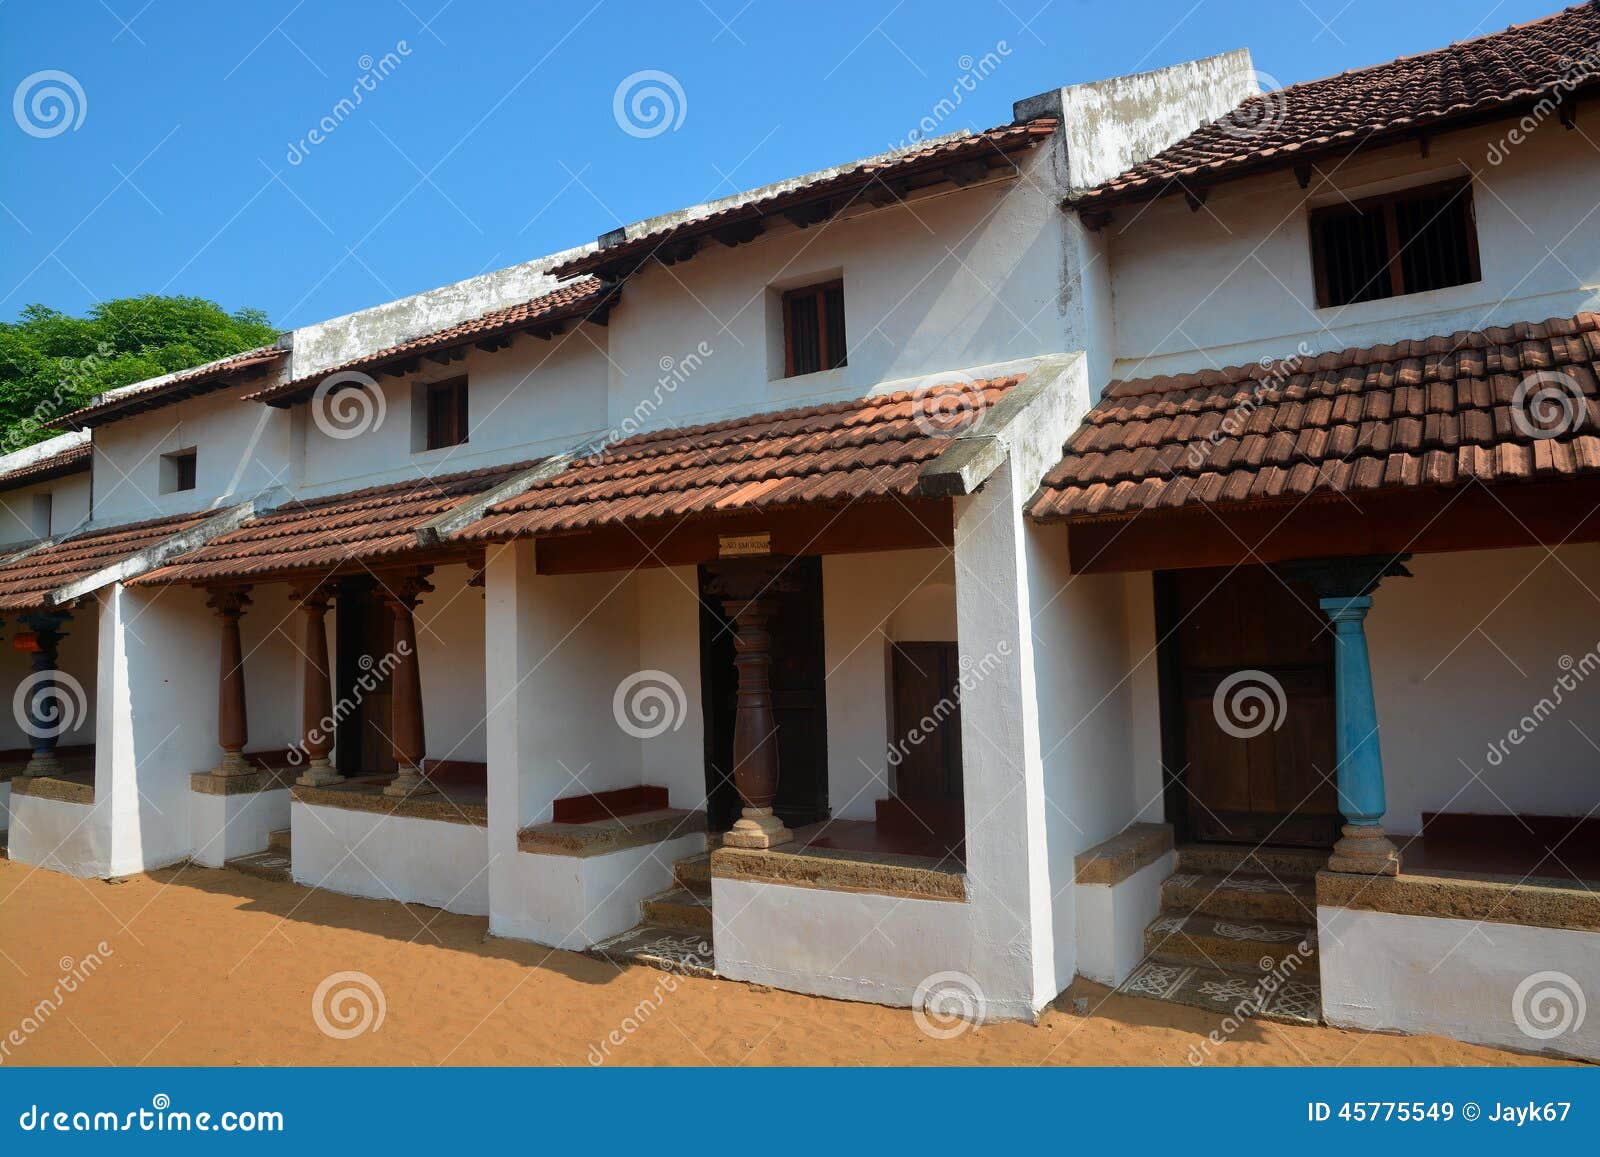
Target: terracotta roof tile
(1487, 76)
(72, 460)
(319, 534)
(1441, 431)
(578, 299)
(187, 384)
(868, 449)
(25, 582)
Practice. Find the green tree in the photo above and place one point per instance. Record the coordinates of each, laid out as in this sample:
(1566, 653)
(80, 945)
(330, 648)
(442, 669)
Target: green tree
(52, 363)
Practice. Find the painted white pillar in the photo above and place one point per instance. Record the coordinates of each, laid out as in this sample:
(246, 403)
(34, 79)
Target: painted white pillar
(1012, 957)
(508, 577)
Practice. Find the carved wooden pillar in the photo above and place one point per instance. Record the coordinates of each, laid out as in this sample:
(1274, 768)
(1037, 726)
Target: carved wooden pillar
(49, 709)
(401, 594)
(746, 593)
(316, 695)
(233, 730)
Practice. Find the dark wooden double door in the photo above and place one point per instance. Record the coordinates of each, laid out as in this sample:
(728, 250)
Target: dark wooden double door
(1237, 643)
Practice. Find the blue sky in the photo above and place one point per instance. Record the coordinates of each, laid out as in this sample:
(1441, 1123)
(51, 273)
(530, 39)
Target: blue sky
(490, 136)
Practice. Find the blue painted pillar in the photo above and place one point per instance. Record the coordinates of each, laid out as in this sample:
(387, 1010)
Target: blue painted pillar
(1363, 846)
(48, 708)
(1344, 589)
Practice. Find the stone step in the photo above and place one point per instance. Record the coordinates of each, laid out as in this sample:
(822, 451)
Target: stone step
(694, 873)
(1294, 998)
(278, 841)
(1250, 946)
(1289, 898)
(657, 946)
(678, 908)
(1245, 859)
(268, 865)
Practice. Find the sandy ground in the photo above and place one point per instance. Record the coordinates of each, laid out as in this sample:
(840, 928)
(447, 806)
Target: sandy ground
(215, 968)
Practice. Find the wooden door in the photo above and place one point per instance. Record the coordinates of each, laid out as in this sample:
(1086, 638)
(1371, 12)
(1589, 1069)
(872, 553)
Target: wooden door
(925, 702)
(365, 632)
(799, 703)
(1252, 689)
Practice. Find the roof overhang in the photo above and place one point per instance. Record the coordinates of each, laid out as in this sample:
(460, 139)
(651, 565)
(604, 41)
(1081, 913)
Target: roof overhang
(957, 163)
(245, 371)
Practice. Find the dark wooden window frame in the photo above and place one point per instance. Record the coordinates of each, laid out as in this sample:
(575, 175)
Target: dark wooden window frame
(184, 465)
(1386, 203)
(446, 428)
(814, 297)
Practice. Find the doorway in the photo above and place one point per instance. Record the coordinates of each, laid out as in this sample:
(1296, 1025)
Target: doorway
(1247, 705)
(799, 701)
(364, 630)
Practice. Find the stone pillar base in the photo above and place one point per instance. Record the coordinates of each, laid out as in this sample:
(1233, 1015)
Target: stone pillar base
(43, 763)
(233, 763)
(758, 828)
(319, 773)
(1366, 851)
(410, 781)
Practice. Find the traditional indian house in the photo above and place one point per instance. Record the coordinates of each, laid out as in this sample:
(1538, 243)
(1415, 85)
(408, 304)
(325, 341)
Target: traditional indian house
(872, 586)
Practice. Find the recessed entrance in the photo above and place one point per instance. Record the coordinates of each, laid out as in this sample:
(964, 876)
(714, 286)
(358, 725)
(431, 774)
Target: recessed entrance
(799, 703)
(364, 740)
(1247, 703)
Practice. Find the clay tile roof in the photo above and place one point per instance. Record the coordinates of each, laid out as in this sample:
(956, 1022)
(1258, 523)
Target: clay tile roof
(72, 460)
(582, 298)
(1480, 79)
(1503, 405)
(165, 391)
(321, 533)
(868, 449)
(26, 582)
(990, 147)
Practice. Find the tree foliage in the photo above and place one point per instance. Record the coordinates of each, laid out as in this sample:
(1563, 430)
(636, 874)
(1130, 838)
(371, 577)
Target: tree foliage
(52, 363)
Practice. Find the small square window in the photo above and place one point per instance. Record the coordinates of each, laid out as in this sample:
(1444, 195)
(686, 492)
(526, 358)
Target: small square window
(447, 414)
(813, 329)
(1406, 242)
(177, 471)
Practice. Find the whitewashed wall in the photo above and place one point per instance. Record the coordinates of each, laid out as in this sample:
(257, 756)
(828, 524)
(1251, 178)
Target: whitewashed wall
(1460, 654)
(241, 449)
(869, 601)
(69, 506)
(449, 627)
(911, 307)
(1233, 281)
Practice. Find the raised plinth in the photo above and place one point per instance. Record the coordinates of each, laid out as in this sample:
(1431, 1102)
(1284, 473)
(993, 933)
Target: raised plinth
(835, 870)
(613, 834)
